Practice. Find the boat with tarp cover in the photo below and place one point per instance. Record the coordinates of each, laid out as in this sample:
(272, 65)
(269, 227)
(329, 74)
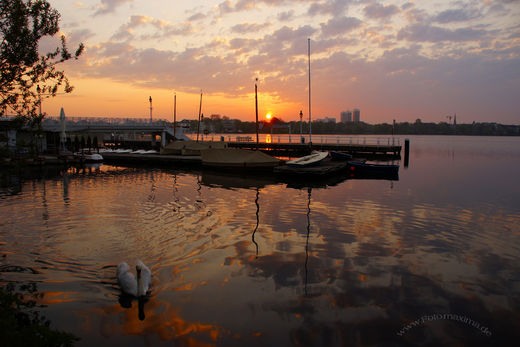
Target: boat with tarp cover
(190, 147)
(237, 158)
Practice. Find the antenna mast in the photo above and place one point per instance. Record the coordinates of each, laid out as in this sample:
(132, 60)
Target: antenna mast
(310, 119)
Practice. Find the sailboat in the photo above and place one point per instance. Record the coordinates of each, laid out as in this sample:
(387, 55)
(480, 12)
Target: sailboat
(316, 163)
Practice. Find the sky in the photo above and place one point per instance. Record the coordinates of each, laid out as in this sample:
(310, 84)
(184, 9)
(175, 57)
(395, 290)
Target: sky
(399, 60)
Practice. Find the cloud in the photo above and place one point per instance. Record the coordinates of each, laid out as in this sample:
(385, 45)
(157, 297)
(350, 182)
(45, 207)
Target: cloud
(187, 70)
(378, 11)
(285, 16)
(407, 6)
(240, 45)
(77, 36)
(109, 6)
(245, 28)
(457, 15)
(229, 6)
(271, 55)
(413, 14)
(339, 26)
(428, 33)
(162, 28)
(196, 16)
(285, 45)
(109, 50)
(330, 7)
(225, 7)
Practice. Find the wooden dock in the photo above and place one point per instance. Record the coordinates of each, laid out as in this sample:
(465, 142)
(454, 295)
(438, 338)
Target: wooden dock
(298, 149)
(156, 159)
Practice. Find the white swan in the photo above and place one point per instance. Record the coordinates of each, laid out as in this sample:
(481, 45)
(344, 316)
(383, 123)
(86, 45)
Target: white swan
(129, 283)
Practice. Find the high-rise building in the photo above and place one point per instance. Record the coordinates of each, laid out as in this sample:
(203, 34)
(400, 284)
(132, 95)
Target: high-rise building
(326, 120)
(356, 115)
(346, 116)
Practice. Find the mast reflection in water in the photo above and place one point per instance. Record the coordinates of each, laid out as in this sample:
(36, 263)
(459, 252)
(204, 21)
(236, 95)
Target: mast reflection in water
(241, 260)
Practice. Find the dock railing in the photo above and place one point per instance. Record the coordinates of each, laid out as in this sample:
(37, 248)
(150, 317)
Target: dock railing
(373, 140)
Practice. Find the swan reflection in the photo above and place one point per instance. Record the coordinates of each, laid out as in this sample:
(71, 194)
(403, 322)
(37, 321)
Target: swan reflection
(125, 300)
(133, 286)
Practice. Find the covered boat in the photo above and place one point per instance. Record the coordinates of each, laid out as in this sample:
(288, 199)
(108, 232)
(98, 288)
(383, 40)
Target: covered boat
(237, 158)
(190, 147)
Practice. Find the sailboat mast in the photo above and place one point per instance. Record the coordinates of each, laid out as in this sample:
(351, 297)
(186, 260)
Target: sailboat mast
(309, 60)
(174, 115)
(200, 110)
(256, 110)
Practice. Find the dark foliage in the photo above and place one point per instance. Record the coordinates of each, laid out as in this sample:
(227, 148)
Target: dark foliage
(22, 325)
(25, 75)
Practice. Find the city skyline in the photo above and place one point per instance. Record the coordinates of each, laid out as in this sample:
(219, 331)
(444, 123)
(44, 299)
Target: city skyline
(394, 60)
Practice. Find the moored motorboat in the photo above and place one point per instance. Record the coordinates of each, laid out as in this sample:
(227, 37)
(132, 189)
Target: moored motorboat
(337, 155)
(88, 156)
(364, 167)
(309, 160)
(326, 167)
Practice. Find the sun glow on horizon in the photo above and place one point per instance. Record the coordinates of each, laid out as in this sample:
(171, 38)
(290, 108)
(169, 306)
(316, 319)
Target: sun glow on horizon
(268, 116)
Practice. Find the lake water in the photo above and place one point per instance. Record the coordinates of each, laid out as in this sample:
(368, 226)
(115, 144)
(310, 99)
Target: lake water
(432, 258)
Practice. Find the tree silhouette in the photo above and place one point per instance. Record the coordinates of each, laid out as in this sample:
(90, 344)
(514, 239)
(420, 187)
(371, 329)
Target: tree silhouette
(25, 75)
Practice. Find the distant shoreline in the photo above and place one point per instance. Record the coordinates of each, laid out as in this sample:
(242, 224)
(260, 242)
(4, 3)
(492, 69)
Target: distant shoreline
(223, 126)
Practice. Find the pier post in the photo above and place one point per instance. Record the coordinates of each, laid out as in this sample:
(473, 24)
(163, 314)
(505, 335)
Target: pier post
(406, 152)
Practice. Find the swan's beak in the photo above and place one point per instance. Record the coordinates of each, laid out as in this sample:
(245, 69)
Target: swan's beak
(138, 270)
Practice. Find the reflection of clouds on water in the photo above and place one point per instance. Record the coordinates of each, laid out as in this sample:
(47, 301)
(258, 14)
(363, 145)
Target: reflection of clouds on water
(344, 264)
(163, 321)
(358, 298)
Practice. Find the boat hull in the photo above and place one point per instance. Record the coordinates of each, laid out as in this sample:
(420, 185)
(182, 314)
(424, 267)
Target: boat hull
(309, 160)
(363, 167)
(335, 155)
(323, 168)
(89, 158)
